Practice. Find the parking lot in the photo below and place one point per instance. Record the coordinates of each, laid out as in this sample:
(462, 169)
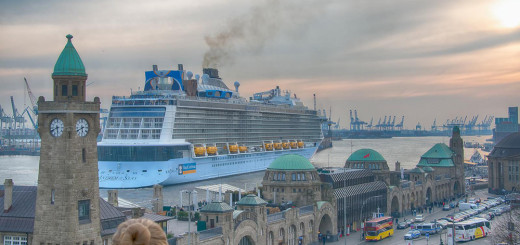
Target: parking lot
(398, 237)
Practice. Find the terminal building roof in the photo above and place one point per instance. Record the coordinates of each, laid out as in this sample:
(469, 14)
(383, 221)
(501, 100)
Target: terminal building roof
(507, 147)
(440, 155)
(366, 155)
(291, 162)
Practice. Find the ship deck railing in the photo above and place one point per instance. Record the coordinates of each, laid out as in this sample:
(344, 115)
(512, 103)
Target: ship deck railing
(170, 99)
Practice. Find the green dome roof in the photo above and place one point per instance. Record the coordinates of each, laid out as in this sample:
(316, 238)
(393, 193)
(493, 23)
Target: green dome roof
(291, 162)
(217, 207)
(251, 200)
(366, 155)
(69, 63)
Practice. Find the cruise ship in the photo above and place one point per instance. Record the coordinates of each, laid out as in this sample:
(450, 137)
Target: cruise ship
(183, 128)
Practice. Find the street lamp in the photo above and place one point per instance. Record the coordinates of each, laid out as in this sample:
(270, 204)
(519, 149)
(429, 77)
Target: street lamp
(189, 212)
(362, 206)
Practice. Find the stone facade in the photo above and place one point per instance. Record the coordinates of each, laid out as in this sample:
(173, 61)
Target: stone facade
(251, 223)
(67, 204)
(504, 165)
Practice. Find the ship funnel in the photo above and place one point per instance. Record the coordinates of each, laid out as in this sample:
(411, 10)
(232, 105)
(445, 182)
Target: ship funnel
(237, 84)
(197, 76)
(205, 78)
(189, 74)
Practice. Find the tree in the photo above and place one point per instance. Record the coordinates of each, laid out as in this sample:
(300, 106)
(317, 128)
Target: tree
(502, 231)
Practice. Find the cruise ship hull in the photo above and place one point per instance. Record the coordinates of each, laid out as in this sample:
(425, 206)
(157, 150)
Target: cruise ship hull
(120, 175)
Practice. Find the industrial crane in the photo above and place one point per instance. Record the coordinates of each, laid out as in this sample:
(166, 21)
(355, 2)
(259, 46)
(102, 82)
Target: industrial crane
(16, 116)
(32, 98)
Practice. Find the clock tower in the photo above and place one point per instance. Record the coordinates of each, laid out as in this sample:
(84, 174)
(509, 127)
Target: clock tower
(67, 203)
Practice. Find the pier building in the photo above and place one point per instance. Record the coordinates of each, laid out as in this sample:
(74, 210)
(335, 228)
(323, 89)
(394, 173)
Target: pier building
(504, 165)
(252, 223)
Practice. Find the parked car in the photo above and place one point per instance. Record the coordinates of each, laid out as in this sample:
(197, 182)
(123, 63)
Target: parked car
(419, 218)
(410, 235)
(403, 225)
(447, 219)
(446, 208)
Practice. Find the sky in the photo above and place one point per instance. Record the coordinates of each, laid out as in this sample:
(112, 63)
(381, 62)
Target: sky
(424, 60)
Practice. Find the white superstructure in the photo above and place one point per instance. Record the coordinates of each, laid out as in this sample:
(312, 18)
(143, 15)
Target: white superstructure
(181, 130)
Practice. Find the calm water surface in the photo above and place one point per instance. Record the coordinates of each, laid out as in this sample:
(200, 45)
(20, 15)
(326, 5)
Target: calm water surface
(407, 150)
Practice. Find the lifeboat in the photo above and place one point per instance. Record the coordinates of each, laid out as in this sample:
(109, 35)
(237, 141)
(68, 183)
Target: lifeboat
(294, 145)
(242, 149)
(233, 148)
(268, 146)
(199, 151)
(211, 150)
(277, 146)
(300, 144)
(285, 145)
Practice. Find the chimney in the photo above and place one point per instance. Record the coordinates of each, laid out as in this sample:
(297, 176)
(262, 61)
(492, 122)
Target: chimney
(113, 198)
(158, 198)
(397, 166)
(8, 195)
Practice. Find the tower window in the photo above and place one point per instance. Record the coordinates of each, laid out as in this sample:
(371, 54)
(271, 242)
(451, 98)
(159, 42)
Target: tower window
(84, 211)
(74, 90)
(64, 90)
(52, 195)
(83, 155)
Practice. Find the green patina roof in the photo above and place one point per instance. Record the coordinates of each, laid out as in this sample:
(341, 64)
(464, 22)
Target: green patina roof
(416, 170)
(251, 200)
(439, 150)
(69, 63)
(366, 155)
(428, 169)
(291, 162)
(217, 207)
(440, 155)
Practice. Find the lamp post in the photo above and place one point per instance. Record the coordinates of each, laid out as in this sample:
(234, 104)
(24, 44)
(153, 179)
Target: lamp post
(189, 214)
(362, 206)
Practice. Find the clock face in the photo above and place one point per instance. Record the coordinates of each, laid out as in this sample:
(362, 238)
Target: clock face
(56, 127)
(82, 127)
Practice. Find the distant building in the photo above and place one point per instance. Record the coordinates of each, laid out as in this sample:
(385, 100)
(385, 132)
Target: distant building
(505, 126)
(504, 165)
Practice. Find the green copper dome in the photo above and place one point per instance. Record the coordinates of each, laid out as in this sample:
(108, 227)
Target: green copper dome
(251, 200)
(69, 63)
(366, 155)
(291, 162)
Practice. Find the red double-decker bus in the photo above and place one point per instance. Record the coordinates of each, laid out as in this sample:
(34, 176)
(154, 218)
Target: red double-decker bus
(379, 228)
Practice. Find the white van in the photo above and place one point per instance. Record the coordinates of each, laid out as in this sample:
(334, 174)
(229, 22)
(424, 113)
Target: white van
(467, 206)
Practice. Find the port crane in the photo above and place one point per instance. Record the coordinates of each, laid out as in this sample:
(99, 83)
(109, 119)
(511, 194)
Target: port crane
(400, 125)
(19, 120)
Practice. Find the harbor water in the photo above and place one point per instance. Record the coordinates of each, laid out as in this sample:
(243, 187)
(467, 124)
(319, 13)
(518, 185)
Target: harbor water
(407, 150)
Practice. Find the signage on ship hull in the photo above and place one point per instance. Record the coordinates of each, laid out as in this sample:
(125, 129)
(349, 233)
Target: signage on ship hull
(187, 168)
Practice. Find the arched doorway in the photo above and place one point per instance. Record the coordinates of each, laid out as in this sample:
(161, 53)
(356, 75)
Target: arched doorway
(395, 207)
(428, 196)
(246, 240)
(456, 189)
(270, 238)
(281, 236)
(291, 235)
(325, 225)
